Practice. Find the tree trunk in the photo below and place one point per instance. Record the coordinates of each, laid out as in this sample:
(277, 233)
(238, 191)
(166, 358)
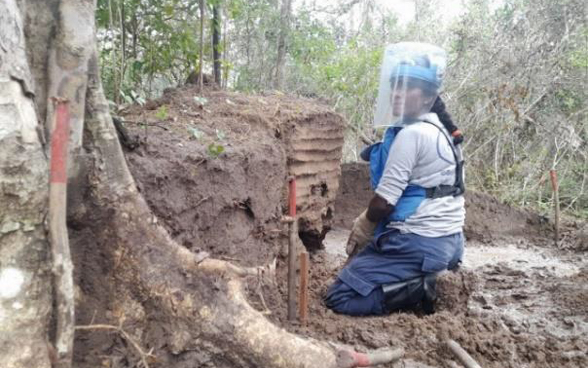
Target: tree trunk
(216, 28)
(201, 66)
(285, 12)
(157, 285)
(25, 277)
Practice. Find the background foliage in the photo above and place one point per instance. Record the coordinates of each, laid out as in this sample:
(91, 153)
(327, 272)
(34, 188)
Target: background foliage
(517, 82)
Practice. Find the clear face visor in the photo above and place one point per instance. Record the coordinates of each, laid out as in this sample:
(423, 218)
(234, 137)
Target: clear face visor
(410, 81)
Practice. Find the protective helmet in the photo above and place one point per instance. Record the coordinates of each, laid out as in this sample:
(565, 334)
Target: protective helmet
(411, 77)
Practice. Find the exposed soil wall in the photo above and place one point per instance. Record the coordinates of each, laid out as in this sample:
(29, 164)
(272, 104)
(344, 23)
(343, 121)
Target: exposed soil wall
(486, 217)
(214, 168)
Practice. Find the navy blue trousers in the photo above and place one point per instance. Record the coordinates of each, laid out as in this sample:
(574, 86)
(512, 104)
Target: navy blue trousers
(390, 258)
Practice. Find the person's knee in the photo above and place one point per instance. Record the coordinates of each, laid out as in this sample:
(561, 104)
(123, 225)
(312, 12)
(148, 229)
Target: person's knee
(358, 305)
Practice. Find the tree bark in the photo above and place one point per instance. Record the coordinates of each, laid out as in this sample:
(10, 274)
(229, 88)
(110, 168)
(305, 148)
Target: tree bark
(216, 29)
(285, 12)
(25, 277)
(201, 66)
(68, 68)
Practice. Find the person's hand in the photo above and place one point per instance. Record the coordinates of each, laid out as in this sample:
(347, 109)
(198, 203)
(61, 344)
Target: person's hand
(361, 232)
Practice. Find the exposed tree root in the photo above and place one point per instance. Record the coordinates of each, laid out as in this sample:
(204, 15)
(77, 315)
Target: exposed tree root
(204, 294)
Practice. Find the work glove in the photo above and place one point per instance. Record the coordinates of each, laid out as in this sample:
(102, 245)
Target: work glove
(361, 233)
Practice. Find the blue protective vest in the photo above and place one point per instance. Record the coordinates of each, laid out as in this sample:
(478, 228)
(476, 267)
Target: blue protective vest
(412, 196)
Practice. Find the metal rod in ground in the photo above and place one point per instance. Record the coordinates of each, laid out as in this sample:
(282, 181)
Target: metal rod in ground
(292, 240)
(303, 292)
(351, 359)
(462, 355)
(555, 187)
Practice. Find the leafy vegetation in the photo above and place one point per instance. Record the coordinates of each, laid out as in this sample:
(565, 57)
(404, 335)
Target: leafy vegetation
(516, 83)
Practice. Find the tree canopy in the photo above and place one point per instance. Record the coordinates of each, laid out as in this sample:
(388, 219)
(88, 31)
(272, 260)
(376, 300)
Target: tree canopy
(516, 80)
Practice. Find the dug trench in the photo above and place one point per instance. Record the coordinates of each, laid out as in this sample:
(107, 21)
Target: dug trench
(214, 168)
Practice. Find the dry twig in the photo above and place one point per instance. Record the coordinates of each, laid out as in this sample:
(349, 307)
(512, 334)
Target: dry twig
(144, 355)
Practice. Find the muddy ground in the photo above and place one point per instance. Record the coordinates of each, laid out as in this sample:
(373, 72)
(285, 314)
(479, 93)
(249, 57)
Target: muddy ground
(518, 301)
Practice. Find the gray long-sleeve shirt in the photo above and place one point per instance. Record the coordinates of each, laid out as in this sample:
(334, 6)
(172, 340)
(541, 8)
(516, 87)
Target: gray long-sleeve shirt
(421, 155)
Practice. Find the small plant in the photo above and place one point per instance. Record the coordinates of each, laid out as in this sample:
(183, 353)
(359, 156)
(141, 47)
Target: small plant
(197, 134)
(200, 100)
(214, 150)
(220, 134)
(161, 113)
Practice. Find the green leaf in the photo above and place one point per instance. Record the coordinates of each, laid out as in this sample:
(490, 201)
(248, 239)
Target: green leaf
(197, 134)
(215, 150)
(161, 113)
(200, 100)
(168, 10)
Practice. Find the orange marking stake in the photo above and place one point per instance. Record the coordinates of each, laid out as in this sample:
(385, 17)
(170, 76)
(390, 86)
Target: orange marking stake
(292, 197)
(303, 294)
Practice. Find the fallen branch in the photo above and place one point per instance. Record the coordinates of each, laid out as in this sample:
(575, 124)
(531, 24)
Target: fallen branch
(144, 355)
(462, 355)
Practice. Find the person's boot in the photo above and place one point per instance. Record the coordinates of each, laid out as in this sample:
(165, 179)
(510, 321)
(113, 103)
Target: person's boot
(409, 294)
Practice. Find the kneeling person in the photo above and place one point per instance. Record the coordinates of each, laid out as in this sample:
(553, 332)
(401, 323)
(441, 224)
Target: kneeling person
(412, 228)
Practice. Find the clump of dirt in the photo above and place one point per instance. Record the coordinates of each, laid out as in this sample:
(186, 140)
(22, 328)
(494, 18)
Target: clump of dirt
(214, 168)
(487, 219)
(454, 290)
(355, 192)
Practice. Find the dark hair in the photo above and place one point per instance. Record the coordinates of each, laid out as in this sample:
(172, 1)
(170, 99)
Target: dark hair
(427, 87)
(439, 109)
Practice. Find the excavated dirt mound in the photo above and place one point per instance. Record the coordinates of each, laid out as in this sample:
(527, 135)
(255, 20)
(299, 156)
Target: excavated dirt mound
(487, 218)
(214, 168)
